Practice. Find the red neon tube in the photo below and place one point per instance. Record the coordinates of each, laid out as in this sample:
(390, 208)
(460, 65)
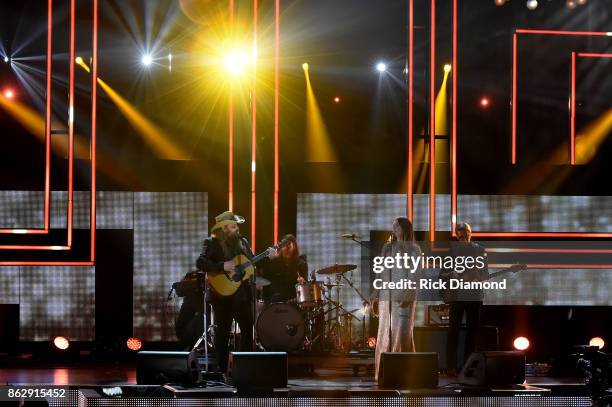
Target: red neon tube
(276, 116)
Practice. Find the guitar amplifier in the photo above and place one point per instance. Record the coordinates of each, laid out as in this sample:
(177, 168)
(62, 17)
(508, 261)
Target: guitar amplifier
(437, 315)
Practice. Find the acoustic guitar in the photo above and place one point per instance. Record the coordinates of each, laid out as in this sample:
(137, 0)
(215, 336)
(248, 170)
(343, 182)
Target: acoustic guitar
(226, 283)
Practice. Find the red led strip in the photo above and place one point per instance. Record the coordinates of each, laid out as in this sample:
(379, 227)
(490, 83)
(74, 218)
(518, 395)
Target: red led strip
(70, 202)
(230, 198)
(93, 157)
(276, 115)
(254, 129)
(94, 130)
(47, 199)
(409, 194)
(454, 121)
(573, 113)
(454, 193)
(573, 99)
(432, 124)
(515, 63)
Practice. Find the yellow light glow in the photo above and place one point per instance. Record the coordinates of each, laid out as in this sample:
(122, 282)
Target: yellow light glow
(521, 343)
(597, 341)
(61, 342)
(589, 139)
(153, 135)
(441, 106)
(31, 120)
(319, 147)
(82, 64)
(236, 62)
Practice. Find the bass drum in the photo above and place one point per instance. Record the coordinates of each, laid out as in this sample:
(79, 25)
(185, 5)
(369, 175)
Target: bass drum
(280, 327)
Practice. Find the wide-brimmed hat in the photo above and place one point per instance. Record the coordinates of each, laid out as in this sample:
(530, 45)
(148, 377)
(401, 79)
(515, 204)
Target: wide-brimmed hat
(226, 218)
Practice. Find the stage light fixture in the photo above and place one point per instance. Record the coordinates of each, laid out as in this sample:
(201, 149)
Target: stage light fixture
(9, 93)
(147, 60)
(532, 4)
(597, 341)
(133, 344)
(447, 68)
(521, 343)
(61, 343)
(372, 342)
(381, 67)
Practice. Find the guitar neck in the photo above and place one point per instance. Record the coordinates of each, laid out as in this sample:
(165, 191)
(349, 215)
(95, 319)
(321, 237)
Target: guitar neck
(258, 258)
(501, 272)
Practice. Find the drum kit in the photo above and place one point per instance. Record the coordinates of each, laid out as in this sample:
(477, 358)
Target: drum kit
(315, 321)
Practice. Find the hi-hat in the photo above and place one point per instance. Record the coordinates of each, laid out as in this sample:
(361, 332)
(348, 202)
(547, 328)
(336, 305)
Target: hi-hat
(337, 269)
(262, 282)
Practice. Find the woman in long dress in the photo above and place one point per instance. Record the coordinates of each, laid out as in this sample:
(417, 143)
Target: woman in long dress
(396, 308)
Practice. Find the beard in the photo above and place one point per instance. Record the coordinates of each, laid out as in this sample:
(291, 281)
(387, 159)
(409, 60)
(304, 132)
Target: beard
(232, 240)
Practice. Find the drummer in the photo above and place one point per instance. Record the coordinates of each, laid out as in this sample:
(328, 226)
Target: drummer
(283, 271)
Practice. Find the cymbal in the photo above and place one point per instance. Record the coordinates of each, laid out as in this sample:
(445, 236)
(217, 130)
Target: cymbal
(337, 269)
(262, 281)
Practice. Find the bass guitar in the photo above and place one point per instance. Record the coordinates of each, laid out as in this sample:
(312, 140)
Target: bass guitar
(448, 294)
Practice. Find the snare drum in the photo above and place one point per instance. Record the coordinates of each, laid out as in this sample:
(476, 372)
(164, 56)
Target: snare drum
(281, 327)
(309, 294)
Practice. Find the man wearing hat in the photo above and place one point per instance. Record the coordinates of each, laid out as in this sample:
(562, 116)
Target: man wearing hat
(218, 250)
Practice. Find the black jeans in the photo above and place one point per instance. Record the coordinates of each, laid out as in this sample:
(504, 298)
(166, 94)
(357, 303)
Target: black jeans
(225, 312)
(472, 323)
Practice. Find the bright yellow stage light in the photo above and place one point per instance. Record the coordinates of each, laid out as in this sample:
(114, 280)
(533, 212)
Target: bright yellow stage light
(236, 62)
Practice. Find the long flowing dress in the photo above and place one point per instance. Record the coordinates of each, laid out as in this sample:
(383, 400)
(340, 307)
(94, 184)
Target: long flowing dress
(396, 308)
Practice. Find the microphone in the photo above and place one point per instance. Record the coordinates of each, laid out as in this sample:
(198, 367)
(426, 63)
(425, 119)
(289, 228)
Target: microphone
(351, 236)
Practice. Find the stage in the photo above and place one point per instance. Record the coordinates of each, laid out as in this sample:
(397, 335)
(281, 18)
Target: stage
(98, 383)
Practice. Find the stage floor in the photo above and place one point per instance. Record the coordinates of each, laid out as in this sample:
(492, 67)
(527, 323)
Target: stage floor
(325, 387)
(124, 374)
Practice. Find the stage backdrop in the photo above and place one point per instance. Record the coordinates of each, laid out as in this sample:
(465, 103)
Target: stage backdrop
(168, 229)
(322, 218)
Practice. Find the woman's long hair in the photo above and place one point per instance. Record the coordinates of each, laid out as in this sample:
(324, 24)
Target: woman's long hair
(407, 229)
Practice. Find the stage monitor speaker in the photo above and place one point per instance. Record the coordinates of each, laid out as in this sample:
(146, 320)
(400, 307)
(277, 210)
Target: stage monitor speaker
(408, 370)
(258, 371)
(494, 369)
(9, 327)
(163, 367)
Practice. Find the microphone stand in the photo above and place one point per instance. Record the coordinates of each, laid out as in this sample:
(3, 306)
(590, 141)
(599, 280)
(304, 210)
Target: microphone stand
(353, 238)
(206, 374)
